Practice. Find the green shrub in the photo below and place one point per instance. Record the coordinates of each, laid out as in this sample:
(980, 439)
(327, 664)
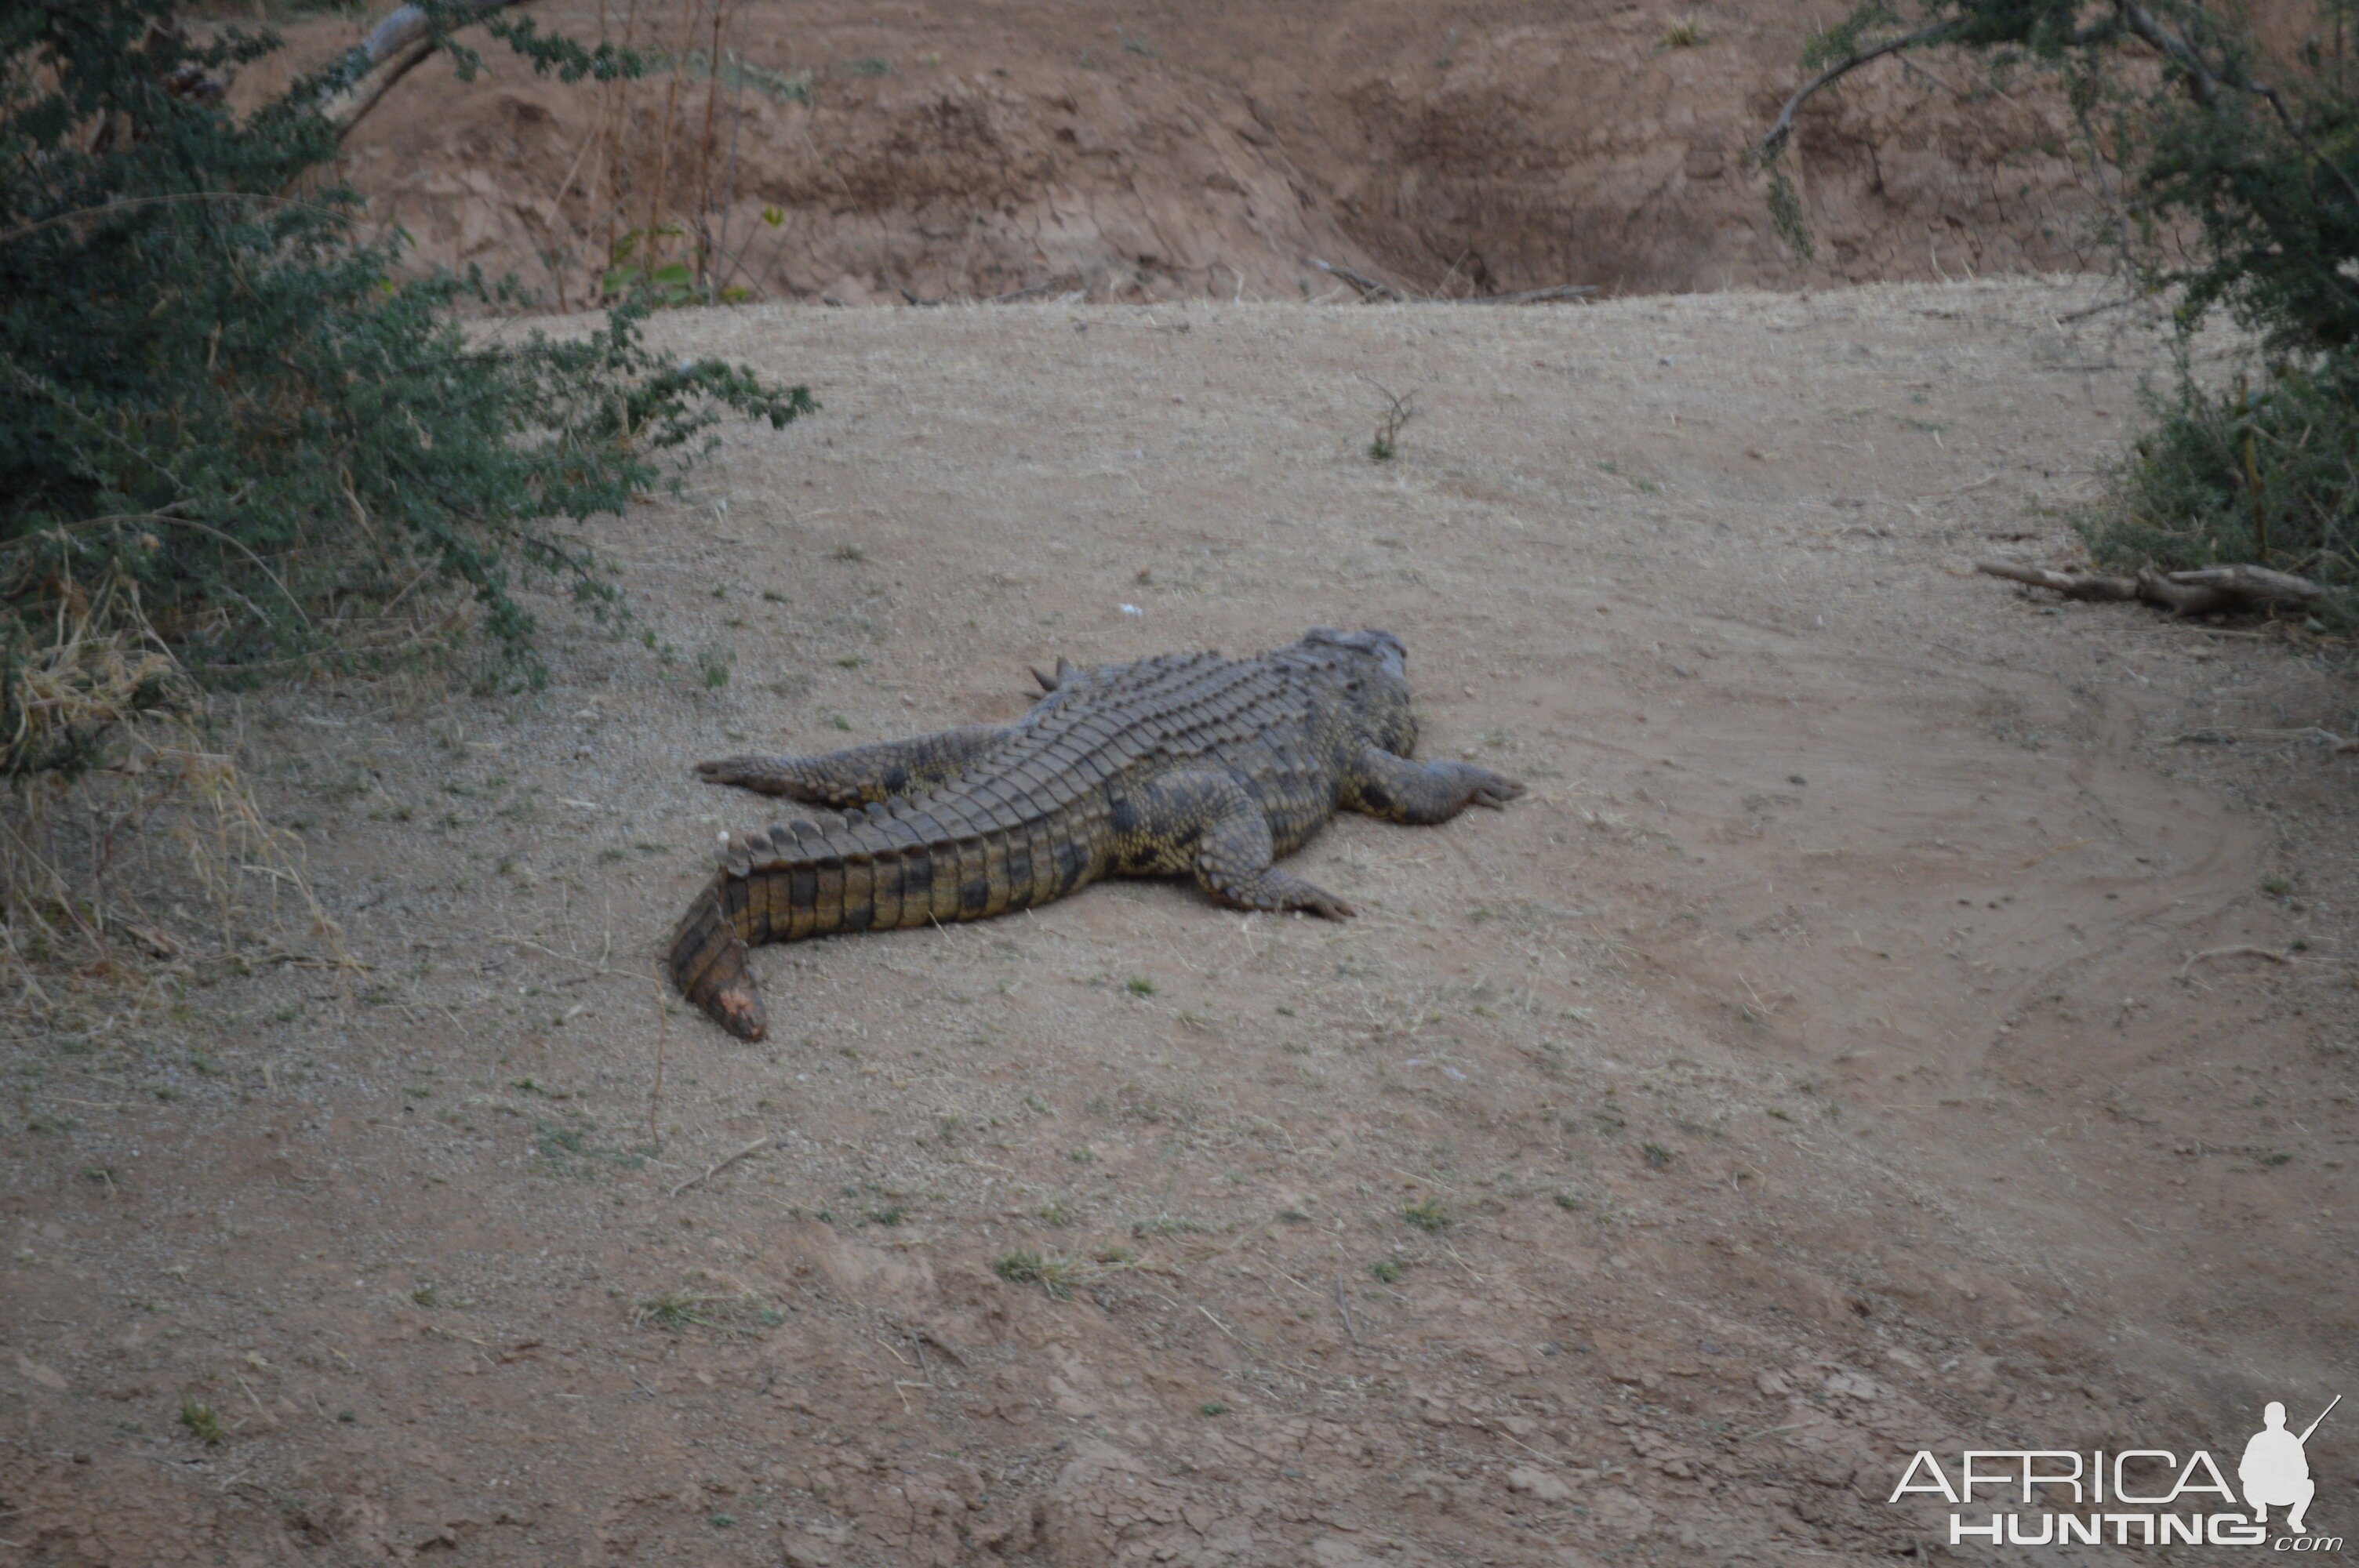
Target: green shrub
(2244, 474)
(2238, 190)
(227, 430)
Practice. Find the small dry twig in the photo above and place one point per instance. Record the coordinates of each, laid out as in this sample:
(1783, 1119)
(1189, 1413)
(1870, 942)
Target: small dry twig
(1345, 1308)
(2241, 949)
(720, 1165)
(1398, 412)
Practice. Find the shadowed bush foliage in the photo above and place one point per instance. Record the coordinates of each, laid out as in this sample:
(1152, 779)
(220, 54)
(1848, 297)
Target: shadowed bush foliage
(2238, 191)
(2246, 474)
(227, 434)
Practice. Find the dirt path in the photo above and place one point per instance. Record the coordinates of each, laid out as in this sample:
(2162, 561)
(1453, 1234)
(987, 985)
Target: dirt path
(1872, 1033)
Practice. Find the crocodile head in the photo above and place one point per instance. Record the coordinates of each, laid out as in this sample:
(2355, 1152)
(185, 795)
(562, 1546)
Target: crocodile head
(1372, 668)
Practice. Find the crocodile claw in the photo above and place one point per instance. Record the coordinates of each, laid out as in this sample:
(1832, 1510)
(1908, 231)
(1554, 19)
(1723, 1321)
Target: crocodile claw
(1490, 789)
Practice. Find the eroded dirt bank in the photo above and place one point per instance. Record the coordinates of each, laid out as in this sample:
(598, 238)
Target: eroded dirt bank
(1144, 149)
(1872, 1033)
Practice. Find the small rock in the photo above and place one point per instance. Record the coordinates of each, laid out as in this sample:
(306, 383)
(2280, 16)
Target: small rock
(1538, 1483)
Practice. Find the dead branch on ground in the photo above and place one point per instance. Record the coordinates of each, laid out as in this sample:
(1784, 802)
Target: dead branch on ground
(2205, 590)
(1370, 288)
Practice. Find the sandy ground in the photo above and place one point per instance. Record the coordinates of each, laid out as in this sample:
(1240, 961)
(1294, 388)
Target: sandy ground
(1877, 1029)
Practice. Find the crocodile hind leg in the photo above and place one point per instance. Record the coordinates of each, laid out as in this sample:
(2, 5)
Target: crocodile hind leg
(708, 963)
(859, 775)
(1206, 823)
(1421, 793)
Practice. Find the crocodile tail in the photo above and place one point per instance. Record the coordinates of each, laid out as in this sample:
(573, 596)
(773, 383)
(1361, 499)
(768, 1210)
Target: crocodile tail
(708, 963)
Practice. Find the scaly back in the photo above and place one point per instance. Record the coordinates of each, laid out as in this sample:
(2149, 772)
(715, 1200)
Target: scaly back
(1017, 826)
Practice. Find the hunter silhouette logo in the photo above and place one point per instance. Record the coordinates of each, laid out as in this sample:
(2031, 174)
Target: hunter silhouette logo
(2274, 1471)
(2135, 1497)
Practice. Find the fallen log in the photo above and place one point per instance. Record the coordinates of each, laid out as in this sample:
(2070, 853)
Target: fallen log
(2071, 585)
(2204, 591)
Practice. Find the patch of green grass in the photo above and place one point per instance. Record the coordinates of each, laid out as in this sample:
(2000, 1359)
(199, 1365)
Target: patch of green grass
(425, 1296)
(553, 1141)
(2275, 887)
(565, 1150)
(1211, 1407)
(889, 1216)
(200, 1421)
(1169, 1225)
(2274, 1161)
(1057, 1214)
(1388, 1272)
(672, 1311)
(1139, 985)
(1426, 1215)
(1657, 1156)
(1683, 35)
(1025, 1267)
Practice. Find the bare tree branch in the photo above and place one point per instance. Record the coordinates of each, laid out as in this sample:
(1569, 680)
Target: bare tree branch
(392, 50)
(1783, 126)
(2183, 593)
(2204, 83)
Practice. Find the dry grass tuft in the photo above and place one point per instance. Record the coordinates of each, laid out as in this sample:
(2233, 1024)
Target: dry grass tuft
(132, 852)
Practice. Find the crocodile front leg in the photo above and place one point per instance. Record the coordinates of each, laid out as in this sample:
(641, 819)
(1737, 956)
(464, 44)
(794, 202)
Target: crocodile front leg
(1421, 793)
(1207, 823)
(861, 774)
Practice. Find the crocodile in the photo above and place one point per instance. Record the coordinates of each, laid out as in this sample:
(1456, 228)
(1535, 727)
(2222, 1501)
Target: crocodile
(1182, 764)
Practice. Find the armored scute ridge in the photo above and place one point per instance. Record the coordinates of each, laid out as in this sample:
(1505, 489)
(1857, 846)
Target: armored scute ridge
(1188, 763)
